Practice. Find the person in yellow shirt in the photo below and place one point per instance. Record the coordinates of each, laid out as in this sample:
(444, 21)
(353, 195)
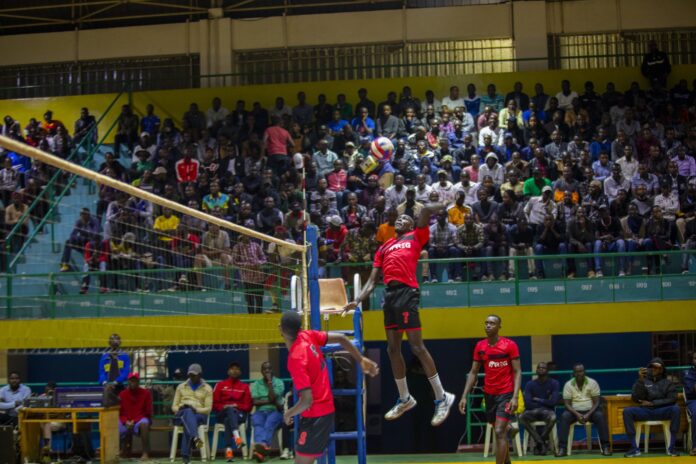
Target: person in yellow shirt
(166, 225)
(458, 212)
(193, 401)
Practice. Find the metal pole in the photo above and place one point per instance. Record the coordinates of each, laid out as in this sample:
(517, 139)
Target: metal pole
(313, 277)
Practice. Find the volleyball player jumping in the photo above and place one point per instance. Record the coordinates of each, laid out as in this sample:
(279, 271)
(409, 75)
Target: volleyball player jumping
(397, 258)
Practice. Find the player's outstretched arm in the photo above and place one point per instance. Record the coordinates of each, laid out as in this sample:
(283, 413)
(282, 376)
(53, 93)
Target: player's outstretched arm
(366, 290)
(470, 382)
(367, 365)
(426, 212)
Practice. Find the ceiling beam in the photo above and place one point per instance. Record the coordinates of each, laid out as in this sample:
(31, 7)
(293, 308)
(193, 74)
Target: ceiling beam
(191, 8)
(54, 6)
(96, 12)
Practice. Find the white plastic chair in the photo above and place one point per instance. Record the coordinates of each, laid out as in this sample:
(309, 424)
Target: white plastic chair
(647, 425)
(688, 445)
(220, 428)
(588, 434)
(553, 438)
(202, 434)
(488, 443)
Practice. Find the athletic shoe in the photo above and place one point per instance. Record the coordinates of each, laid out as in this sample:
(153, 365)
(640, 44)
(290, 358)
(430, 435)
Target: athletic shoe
(229, 454)
(632, 453)
(599, 274)
(285, 454)
(590, 274)
(622, 274)
(64, 268)
(238, 442)
(197, 443)
(442, 409)
(400, 408)
(258, 457)
(673, 453)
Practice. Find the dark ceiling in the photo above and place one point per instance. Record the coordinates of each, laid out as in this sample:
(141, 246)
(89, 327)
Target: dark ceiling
(25, 16)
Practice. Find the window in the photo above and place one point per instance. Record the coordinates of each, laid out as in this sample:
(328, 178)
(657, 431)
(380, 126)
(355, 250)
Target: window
(593, 51)
(374, 61)
(674, 348)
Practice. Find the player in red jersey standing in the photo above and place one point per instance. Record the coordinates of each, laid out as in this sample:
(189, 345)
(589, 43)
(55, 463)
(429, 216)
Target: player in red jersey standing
(397, 258)
(310, 378)
(500, 357)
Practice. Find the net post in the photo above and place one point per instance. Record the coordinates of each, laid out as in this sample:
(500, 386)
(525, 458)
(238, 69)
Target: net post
(313, 277)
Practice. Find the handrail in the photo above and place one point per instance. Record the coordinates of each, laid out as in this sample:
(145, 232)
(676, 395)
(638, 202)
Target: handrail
(56, 201)
(49, 187)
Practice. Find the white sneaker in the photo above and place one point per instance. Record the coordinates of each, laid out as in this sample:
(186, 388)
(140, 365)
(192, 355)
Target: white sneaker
(400, 408)
(442, 409)
(599, 274)
(285, 454)
(622, 274)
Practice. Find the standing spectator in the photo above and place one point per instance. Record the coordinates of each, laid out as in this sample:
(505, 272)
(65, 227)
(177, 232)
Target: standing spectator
(267, 395)
(657, 396)
(232, 404)
(540, 399)
(249, 257)
(581, 397)
(12, 397)
(277, 141)
(9, 182)
(135, 417)
(443, 237)
(114, 367)
(127, 132)
(192, 404)
(656, 65)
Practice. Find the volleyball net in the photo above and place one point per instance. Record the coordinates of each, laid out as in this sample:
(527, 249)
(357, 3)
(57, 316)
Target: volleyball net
(128, 263)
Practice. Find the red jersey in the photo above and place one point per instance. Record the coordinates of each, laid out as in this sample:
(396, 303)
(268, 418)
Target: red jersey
(308, 370)
(398, 257)
(232, 391)
(135, 405)
(497, 364)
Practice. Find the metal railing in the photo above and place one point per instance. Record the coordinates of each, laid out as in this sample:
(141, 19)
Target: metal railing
(62, 299)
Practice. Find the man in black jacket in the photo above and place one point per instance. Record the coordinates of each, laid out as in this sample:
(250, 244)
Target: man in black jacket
(657, 396)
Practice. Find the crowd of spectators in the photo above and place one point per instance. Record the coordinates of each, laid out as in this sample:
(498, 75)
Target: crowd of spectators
(522, 175)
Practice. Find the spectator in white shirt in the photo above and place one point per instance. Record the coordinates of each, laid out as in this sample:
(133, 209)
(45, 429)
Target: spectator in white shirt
(617, 181)
(453, 100)
(628, 164)
(565, 96)
(492, 168)
(216, 115)
(493, 130)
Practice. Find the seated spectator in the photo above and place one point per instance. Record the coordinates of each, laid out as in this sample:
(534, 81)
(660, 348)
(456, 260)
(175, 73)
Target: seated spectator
(232, 403)
(443, 236)
(657, 396)
(581, 398)
(549, 241)
(267, 396)
(495, 245)
(410, 207)
(193, 401)
(538, 207)
(135, 417)
(540, 399)
(165, 227)
(647, 179)
(269, 217)
(616, 182)
(335, 236)
(12, 397)
(13, 215)
(602, 167)
(533, 186)
(386, 230)
(521, 242)
(49, 428)
(668, 201)
(353, 213)
(85, 230)
(660, 235)
(216, 200)
(513, 184)
(470, 241)
(689, 244)
(445, 189)
(214, 251)
(249, 258)
(459, 211)
(9, 182)
(580, 237)
(492, 168)
(485, 209)
(608, 239)
(689, 381)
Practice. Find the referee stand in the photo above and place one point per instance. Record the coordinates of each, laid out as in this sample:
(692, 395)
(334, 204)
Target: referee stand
(326, 297)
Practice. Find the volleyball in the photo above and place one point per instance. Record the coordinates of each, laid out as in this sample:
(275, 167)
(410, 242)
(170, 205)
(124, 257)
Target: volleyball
(382, 148)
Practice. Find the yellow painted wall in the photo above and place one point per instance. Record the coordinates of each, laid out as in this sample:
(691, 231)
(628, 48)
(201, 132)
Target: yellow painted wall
(437, 323)
(173, 103)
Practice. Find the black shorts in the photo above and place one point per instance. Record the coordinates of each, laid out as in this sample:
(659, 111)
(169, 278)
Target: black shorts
(313, 438)
(497, 407)
(401, 308)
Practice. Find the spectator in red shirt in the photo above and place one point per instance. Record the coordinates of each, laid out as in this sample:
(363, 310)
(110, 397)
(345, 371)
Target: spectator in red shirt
(232, 402)
(187, 168)
(335, 236)
(135, 416)
(277, 141)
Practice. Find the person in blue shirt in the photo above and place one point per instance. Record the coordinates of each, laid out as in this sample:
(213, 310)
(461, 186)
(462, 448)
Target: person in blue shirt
(12, 396)
(540, 398)
(690, 398)
(336, 124)
(150, 123)
(114, 365)
(363, 124)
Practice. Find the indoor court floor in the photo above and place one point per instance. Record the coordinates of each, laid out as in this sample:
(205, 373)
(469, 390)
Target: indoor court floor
(471, 458)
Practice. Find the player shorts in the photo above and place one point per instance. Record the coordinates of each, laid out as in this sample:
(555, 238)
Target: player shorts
(313, 437)
(401, 307)
(497, 407)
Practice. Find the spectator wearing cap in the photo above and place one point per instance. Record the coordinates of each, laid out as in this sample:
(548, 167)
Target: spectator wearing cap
(135, 416)
(538, 207)
(493, 168)
(335, 236)
(324, 158)
(193, 401)
(453, 171)
(410, 207)
(533, 186)
(232, 403)
(608, 239)
(616, 182)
